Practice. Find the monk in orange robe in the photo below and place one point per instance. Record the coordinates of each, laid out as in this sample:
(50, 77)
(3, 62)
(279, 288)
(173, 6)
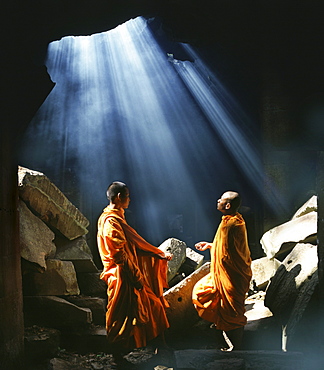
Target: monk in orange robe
(220, 295)
(135, 272)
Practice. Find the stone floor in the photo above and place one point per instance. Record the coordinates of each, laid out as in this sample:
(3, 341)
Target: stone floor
(194, 349)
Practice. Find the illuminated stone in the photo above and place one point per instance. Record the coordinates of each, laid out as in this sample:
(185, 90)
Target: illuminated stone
(181, 311)
(51, 204)
(178, 249)
(295, 230)
(262, 270)
(36, 240)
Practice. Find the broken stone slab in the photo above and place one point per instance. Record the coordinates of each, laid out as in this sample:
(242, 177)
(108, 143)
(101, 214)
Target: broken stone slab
(97, 306)
(309, 206)
(291, 289)
(262, 270)
(59, 279)
(296, 269)
(76, 251)
(36, 239)
(55, 312)
(51, 204)
(181, 312)
(296, 230)
(91, 285)
(70, 248)
(202, 359)
(178, 249)
(196, 257)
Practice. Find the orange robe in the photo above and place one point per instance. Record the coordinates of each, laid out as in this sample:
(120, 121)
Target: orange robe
(134, 315)
(219, 296)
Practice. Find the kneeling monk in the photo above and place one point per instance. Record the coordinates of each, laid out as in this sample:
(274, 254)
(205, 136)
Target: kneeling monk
(220, 295)
(135, 272)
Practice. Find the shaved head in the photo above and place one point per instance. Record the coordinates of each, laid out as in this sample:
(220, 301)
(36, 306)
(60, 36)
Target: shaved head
(234, 198)
(115, 188)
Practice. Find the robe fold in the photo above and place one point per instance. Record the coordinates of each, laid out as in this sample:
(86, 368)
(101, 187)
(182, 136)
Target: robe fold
(220, 295)
(136, 277)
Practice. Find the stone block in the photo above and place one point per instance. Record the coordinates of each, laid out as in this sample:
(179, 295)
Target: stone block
(295, 230)
(181, 312)
(262, 270)
(97, 306)
(58, 279)
(291, 288)
(91, 285)
(76, 251)
(36, 239)
(55, 312)
(194, 256)
(51, 204)
(178, 249)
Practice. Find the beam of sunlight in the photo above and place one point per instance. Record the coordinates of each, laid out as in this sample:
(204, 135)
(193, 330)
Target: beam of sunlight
(228, 121)
(119, 111)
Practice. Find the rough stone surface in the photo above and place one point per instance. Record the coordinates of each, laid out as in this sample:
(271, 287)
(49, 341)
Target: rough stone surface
(178, 249)
(76, 251)
(295, 230)
(262, 270)
(90, 284)
(36, 239)
(58, 279)
(51, 204)
(97, 306)
(55, 312)
(182, 311)
(68, 248)
(287, 287)
(195, 257)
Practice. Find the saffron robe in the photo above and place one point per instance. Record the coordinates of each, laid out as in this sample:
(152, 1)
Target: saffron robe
(136, 276)
(220, 295)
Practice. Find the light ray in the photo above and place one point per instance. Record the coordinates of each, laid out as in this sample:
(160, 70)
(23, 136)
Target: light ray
(228, 120)
(121, 111)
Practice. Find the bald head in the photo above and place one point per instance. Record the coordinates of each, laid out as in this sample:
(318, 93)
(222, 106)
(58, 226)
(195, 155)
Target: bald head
(229, 202)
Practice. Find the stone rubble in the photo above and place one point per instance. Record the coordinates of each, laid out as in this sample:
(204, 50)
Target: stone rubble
(63, 291)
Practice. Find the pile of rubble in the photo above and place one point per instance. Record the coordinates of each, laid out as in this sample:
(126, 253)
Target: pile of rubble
(61, 283)
(65, 300)
(285, 279)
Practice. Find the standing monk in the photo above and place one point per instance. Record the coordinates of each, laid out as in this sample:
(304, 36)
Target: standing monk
(135, 272)
(220, 295)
